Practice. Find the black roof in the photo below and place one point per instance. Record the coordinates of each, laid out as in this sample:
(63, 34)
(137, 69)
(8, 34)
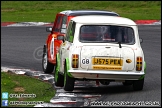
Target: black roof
(89, 12)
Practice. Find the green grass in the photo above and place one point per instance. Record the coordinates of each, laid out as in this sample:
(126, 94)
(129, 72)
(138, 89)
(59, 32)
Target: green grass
(19, 84)
(45, 11)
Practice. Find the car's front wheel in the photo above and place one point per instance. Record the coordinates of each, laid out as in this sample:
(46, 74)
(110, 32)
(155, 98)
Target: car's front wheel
(138, 84)
(46, 65)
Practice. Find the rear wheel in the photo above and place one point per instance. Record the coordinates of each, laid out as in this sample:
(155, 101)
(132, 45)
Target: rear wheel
(68, 81)
(104, 82)
(138, 84)
(46, 65)
(59, 79)
(127, 83)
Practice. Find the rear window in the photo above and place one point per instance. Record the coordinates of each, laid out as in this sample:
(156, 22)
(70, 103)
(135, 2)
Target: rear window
(106, 34)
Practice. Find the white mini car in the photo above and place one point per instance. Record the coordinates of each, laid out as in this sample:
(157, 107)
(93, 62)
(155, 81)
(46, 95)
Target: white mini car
(103, 48)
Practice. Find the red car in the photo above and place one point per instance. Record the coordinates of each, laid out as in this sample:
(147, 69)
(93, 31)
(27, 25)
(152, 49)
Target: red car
(52, 45)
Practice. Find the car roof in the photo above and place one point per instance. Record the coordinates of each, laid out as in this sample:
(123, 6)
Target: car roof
(96, 19)
(88, 12)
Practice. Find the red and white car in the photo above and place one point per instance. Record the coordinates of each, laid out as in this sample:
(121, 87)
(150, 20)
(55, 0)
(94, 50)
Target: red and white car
(52, 45)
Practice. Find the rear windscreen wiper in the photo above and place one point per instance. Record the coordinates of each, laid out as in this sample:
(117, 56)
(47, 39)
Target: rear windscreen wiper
(119, 44)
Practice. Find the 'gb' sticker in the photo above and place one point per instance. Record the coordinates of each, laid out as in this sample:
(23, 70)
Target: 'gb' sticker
(85, 61)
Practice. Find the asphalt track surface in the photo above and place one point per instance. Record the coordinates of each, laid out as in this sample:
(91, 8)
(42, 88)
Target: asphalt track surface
(22, 47)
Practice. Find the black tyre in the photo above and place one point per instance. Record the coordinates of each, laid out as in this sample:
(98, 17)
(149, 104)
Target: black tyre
(68, 81)
(58, 78)
(138, 84)
(104, 82)
(127, 83)
(46, 65)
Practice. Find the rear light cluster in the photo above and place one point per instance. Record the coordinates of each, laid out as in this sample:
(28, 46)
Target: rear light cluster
(75, 60)
(139, 64)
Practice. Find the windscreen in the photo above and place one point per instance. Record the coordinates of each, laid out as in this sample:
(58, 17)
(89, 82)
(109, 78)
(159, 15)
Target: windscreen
(106, 34)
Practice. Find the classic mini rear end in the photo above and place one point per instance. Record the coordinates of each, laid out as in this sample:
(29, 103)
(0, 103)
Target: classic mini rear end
(108, 63)
(106, 49)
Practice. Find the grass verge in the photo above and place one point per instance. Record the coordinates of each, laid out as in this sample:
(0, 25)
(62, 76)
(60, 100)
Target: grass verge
(21, 84)
(45, 11)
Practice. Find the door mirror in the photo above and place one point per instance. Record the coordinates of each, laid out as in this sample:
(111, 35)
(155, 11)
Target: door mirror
(141, 40)
(59, 37)
(48, 29)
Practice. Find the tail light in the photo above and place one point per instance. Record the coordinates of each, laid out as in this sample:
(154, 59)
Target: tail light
(75, 60)
(139, 64)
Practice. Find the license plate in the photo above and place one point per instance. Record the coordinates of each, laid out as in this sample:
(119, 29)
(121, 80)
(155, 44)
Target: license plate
(107, 61)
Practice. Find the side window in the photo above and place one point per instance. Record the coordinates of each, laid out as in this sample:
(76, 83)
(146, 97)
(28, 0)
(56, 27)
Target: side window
(58, 24)
(70, 31)
(63, 25)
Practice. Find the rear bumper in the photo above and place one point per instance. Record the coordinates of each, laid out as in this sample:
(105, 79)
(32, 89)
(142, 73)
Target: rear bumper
(112, 75)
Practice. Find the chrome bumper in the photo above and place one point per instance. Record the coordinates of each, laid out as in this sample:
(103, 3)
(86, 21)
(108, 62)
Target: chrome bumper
(113, 75)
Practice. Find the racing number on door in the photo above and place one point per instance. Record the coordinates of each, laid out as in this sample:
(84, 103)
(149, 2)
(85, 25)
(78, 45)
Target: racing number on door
(52, 48)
